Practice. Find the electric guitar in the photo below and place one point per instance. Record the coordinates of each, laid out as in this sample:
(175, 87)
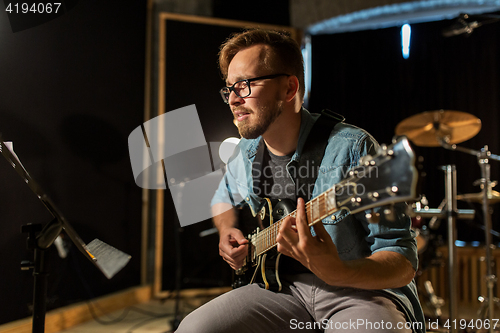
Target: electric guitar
(387, 178)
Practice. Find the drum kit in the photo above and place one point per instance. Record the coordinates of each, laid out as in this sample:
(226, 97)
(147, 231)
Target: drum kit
(446, 129)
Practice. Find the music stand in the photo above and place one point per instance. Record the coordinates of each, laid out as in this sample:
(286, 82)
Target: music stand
(105, 257)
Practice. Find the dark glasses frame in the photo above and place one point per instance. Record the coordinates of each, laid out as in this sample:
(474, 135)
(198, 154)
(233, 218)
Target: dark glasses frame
(226, 91)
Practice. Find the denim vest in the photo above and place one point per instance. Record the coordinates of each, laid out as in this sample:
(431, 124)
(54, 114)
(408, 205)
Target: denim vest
(353, 235)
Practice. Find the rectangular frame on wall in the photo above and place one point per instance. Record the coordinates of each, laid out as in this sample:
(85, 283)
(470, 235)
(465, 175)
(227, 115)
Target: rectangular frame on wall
(182, 41)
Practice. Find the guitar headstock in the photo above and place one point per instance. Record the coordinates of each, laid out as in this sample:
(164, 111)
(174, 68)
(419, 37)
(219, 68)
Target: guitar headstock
(387, 178)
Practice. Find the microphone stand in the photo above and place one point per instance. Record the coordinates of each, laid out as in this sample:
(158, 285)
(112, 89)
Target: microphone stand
(483, 157)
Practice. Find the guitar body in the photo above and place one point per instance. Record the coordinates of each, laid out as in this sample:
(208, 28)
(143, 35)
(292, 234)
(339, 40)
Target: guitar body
(265, 267)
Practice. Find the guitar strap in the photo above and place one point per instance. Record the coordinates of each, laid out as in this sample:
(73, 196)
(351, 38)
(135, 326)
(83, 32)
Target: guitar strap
(310, 159)
(305, 172)
(313, 152)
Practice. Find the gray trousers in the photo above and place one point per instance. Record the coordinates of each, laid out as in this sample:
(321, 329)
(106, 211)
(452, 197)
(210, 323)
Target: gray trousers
(306, 304)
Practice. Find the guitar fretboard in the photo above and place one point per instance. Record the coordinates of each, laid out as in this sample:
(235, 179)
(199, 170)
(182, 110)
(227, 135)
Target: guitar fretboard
(317, 209)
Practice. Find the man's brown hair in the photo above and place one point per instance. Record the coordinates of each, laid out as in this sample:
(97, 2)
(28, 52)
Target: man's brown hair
(286, 56)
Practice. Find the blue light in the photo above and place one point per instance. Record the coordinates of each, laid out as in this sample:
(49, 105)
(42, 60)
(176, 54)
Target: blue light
(405, 40)
(307, 56)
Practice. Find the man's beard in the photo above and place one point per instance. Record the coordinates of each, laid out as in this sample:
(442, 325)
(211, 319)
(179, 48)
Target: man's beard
(263, 119)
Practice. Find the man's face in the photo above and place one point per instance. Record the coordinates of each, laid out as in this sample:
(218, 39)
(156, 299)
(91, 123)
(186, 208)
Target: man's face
(253, 114)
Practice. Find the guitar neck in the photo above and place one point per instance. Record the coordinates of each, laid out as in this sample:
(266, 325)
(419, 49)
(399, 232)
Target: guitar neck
(316, 210)
(385, 179)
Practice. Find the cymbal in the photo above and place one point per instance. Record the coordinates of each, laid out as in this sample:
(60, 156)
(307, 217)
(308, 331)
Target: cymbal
(494, 197)
(425, 128)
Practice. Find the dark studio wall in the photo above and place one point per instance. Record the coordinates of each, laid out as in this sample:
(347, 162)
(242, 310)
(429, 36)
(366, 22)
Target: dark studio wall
(363, 76)
(200, 47)
(72, 90)
(258, 11)
(192, 77)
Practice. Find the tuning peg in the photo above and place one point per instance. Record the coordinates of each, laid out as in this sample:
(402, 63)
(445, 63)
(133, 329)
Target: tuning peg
(384, 150)
(389, 213)
(365, 160)
(372, 216)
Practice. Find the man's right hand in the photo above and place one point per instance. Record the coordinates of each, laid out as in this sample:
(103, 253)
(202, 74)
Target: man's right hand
(233, 247)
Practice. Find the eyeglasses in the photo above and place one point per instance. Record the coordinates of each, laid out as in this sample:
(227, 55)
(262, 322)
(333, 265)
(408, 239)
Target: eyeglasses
(242, 88)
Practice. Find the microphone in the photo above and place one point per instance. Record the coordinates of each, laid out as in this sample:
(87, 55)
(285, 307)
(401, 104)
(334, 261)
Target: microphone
(456, 29)
(461, 27)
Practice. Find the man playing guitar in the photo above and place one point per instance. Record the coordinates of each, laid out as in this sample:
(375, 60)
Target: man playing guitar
(342, 275)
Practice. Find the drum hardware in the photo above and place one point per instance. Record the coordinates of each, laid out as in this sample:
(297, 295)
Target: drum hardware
(435, 222)
(435, 302)
(485, 305)
(422, 204)
(451, 207)
(446, 128)
(438, 213)
(483, 157)
(493, 197)
(449, 210)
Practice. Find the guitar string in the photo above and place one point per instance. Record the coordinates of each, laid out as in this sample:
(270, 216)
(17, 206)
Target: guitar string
(266, 239)
(269, 238)
(270, 234)
(267, 233)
